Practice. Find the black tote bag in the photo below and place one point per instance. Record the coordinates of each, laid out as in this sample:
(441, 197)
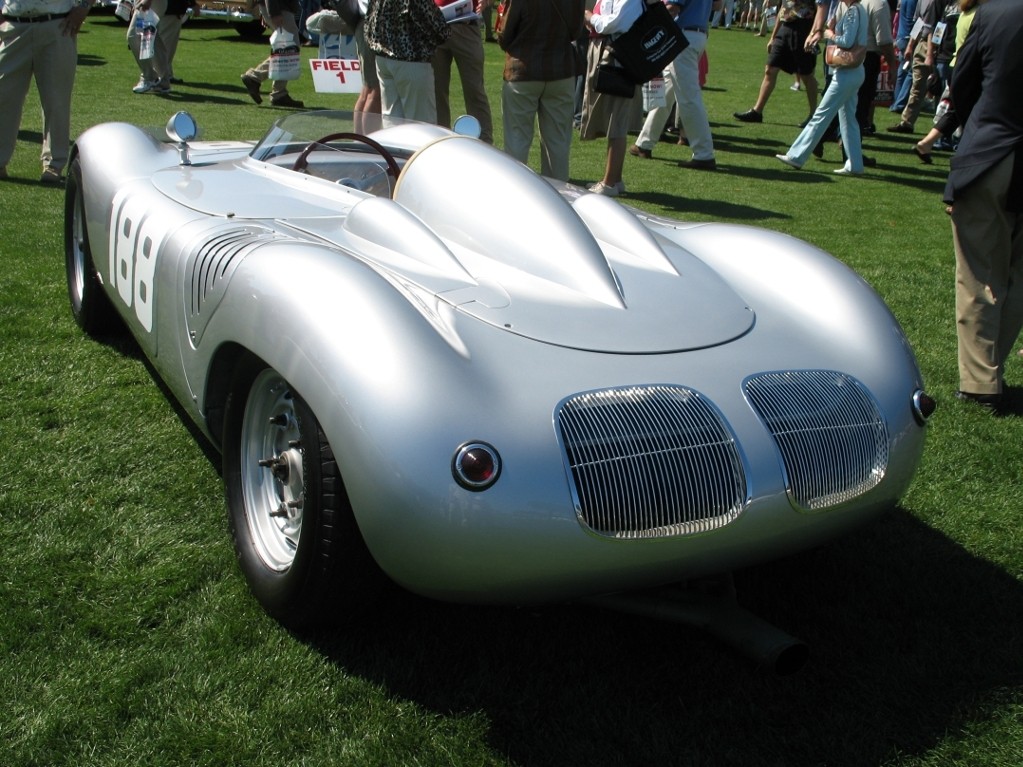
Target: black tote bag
(650, 44)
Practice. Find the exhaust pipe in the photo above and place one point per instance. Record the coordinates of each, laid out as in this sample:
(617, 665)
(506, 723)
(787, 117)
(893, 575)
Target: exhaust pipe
(721, 616)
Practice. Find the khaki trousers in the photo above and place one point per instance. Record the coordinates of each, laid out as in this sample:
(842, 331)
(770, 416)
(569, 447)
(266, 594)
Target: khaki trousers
(989, 279)
(37, 50)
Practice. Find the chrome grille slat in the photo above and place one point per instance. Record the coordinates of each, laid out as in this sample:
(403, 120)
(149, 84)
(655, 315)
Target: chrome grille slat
(650, 461)
(829, 431)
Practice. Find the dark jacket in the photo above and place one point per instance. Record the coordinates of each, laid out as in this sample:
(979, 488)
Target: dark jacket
(986, 94)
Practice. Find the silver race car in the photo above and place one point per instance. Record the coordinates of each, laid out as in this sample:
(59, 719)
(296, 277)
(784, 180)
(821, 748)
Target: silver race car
(421, 359)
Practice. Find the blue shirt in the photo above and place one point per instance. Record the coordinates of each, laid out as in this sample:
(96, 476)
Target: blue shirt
(692, 13)
(907, 12)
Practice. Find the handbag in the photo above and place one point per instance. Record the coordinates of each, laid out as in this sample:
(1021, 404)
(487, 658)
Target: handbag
(610, 79)
(844, 58)
(650, 44)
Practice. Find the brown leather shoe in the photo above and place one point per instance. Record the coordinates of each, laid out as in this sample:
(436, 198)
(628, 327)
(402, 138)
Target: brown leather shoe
(252, 86)
(638, 151)
(902, 127)
(287, 101)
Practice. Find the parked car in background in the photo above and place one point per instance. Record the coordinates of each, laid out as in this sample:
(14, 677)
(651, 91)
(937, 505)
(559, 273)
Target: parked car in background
(241, 14)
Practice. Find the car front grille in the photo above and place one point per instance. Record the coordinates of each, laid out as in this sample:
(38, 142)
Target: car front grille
(650, 461)
(832, 438)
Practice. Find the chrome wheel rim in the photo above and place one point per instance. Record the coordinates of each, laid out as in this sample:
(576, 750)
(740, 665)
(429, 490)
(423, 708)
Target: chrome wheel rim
(272, 476)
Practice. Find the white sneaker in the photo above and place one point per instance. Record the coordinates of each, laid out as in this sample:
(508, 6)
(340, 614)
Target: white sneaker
(789, 161)
(794, 87)
(161, 87)
(845, 170)
(608, 190)
(144, 86)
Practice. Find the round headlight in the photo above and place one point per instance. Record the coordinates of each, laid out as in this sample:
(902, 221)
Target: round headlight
(476, 466)
(923, 406)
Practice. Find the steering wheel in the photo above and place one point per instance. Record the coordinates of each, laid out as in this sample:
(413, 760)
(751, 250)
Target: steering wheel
(392, 165)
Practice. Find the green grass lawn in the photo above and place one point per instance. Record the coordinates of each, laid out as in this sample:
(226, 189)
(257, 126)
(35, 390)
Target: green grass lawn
(128, 636)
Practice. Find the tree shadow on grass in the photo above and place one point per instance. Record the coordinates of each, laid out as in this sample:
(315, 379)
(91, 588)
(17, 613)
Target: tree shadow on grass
(911, 637)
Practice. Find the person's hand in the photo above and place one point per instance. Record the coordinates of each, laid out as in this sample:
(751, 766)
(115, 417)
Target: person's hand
(72, 23)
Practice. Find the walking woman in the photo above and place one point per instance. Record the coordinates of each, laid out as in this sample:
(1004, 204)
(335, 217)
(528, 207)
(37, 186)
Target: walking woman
(848, 32)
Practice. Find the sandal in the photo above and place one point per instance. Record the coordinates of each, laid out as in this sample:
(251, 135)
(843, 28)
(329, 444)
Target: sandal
(925, 157)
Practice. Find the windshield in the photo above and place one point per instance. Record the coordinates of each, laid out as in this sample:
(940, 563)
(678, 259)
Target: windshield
(294, 132)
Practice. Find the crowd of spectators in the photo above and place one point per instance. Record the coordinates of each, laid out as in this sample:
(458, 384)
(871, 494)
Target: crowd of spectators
(408, 51)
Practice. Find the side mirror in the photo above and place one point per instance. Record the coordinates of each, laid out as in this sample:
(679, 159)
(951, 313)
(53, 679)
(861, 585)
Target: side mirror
(467, 125)
(182, 128)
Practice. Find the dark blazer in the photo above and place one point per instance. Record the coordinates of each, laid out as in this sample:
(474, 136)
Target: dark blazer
(987, 91)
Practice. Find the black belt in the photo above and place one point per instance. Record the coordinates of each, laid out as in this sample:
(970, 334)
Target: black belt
(695, 29)
(34, 19)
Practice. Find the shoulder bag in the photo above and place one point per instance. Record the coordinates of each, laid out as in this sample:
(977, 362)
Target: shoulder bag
(844, 58)
(650, 44)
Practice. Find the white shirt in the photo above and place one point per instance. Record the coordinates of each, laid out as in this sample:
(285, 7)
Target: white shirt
(616, 16)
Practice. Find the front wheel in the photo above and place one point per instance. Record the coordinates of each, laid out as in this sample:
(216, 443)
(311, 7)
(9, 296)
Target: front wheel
(90, 306)
(294, 532)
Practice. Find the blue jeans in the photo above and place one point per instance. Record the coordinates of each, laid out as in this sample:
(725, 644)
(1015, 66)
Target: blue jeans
(840, 98)
(903, 79)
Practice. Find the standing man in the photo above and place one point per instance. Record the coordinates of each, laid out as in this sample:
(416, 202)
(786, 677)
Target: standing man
(539, 80)
(39, 38)
(276, 14)
(788, 51)
(464, 46)
(985, 189)
(684, 76)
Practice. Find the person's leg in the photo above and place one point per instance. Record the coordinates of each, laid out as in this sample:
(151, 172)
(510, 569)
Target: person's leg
(55, 58)
(918, 88)
(15, 79)
(868, 91)
(146, 68)
(807, 139)
(442, 58)
(556, 110)
(657, 118)
(689, 97)
(169, 33)
(160, 64)
(849, 82)
(615, 161)
(766, 88)
(518, 110)
(390, 101)
(467, 47)
(279, 89)
(988, 242)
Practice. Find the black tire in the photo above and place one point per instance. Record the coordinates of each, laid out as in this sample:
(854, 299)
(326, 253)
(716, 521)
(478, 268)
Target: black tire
(295, 535)
(90, 306)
